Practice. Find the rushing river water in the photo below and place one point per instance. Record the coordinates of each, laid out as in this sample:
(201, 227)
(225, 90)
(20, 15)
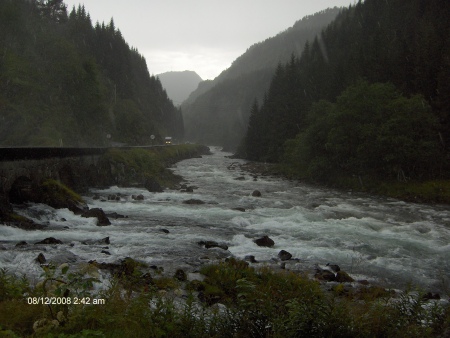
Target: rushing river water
(382, 240)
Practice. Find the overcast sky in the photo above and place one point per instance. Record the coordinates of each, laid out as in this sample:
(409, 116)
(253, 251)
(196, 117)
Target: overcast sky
(205, 36)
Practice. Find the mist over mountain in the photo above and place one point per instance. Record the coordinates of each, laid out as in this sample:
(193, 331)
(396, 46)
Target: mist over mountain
(179, 85)
(218, 111)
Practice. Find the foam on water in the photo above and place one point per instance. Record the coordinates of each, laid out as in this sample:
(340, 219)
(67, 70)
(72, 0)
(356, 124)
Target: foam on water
(370, 237)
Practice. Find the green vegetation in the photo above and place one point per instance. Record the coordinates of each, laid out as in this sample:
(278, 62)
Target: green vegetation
(260, 303)
(138, 165)
(359, 109)
(218, 111)
(64, 81)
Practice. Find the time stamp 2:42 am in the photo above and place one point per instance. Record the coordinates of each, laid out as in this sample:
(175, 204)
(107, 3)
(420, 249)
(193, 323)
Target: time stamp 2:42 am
(65, 301)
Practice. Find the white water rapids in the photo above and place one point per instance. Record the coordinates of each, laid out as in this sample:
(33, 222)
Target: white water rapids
(383, 240)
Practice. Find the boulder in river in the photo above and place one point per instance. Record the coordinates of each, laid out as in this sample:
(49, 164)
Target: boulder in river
(102, 220)
(41, 258)
(50, 240)
(284, 255)
(213, 244)
(256, 193)
(264, 241)
(193, 201)
(152, 185)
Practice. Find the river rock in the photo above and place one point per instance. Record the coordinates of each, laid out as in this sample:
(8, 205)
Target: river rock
(239, 209)
(193, 201)
(213, 244)
(256, 193)
(21, 243)
(180, 275)
(97, 241)
(333, 267)
(325, 275)
(343, 277)
(41, 258)
(115, 215)
(250, 258)
(152, 185)
(284, 255)
(102, 220)
(264, 241)
(50, 240)
(240, 178)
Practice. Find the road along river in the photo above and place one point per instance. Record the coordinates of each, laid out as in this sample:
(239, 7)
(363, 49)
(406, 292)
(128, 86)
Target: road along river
(379, 239)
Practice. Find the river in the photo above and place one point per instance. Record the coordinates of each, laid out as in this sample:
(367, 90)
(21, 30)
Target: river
(381, 240)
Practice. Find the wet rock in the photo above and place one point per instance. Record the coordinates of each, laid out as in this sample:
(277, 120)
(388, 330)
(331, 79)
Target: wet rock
(115, 215)
(343, 277)
(139, 197)
(97, 241)
(102, 220)
(152, 185)
(256, 193)
(430, 296)
(106, 252)
(325, 275)
(264, 241)
(250, 258)
(239, 209)
(41, 259)
(165, 231)
(284, 255)
(240, 178)
(50, 240)
(180, 275)
(21, 243)
(213, 244)
(96, 197)
(194, 201)
(333, 267)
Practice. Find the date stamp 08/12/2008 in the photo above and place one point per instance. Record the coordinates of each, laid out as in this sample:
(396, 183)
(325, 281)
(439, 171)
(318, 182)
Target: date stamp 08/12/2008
(65, 301)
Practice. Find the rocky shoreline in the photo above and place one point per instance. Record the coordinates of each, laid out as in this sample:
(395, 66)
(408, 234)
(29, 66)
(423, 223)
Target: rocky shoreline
(329, 275)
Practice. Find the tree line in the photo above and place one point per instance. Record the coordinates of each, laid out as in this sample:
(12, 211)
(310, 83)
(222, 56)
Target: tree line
(65, 81)
(368, 97)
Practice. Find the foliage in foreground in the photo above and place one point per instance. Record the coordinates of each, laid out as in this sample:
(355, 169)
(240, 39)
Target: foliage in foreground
(236, 301)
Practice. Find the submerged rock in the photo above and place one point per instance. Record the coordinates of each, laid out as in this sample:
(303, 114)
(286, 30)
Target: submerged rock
(256, 193)
(50, 240)
(213, 244)
(264, 241)
(41, 258)
(193, 201)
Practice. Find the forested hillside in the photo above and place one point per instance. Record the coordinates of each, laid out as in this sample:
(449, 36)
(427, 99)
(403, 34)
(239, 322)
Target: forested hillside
(218, 111)
(66, 82)
(367, 99)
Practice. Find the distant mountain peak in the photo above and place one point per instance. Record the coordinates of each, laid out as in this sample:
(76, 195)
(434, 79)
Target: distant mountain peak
(179, 84)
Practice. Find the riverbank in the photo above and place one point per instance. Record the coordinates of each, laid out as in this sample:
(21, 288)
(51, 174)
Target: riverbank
(430, 192)
(228, 298)
(124, 167)
(178, 284)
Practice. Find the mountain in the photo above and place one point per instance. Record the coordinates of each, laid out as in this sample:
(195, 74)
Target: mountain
(65, 82)
(367, 100)
(179, 85)
(218, 111)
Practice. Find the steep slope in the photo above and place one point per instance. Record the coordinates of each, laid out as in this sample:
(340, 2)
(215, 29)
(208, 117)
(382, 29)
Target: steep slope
(217, 112)
(65, 82)
(179, 85)
(366, 102)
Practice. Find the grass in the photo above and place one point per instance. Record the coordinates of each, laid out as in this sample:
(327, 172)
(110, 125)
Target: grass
(431, 191)
(254, 303)
(136, 165)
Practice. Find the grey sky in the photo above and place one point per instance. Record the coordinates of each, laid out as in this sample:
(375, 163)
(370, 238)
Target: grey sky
(205, 36)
